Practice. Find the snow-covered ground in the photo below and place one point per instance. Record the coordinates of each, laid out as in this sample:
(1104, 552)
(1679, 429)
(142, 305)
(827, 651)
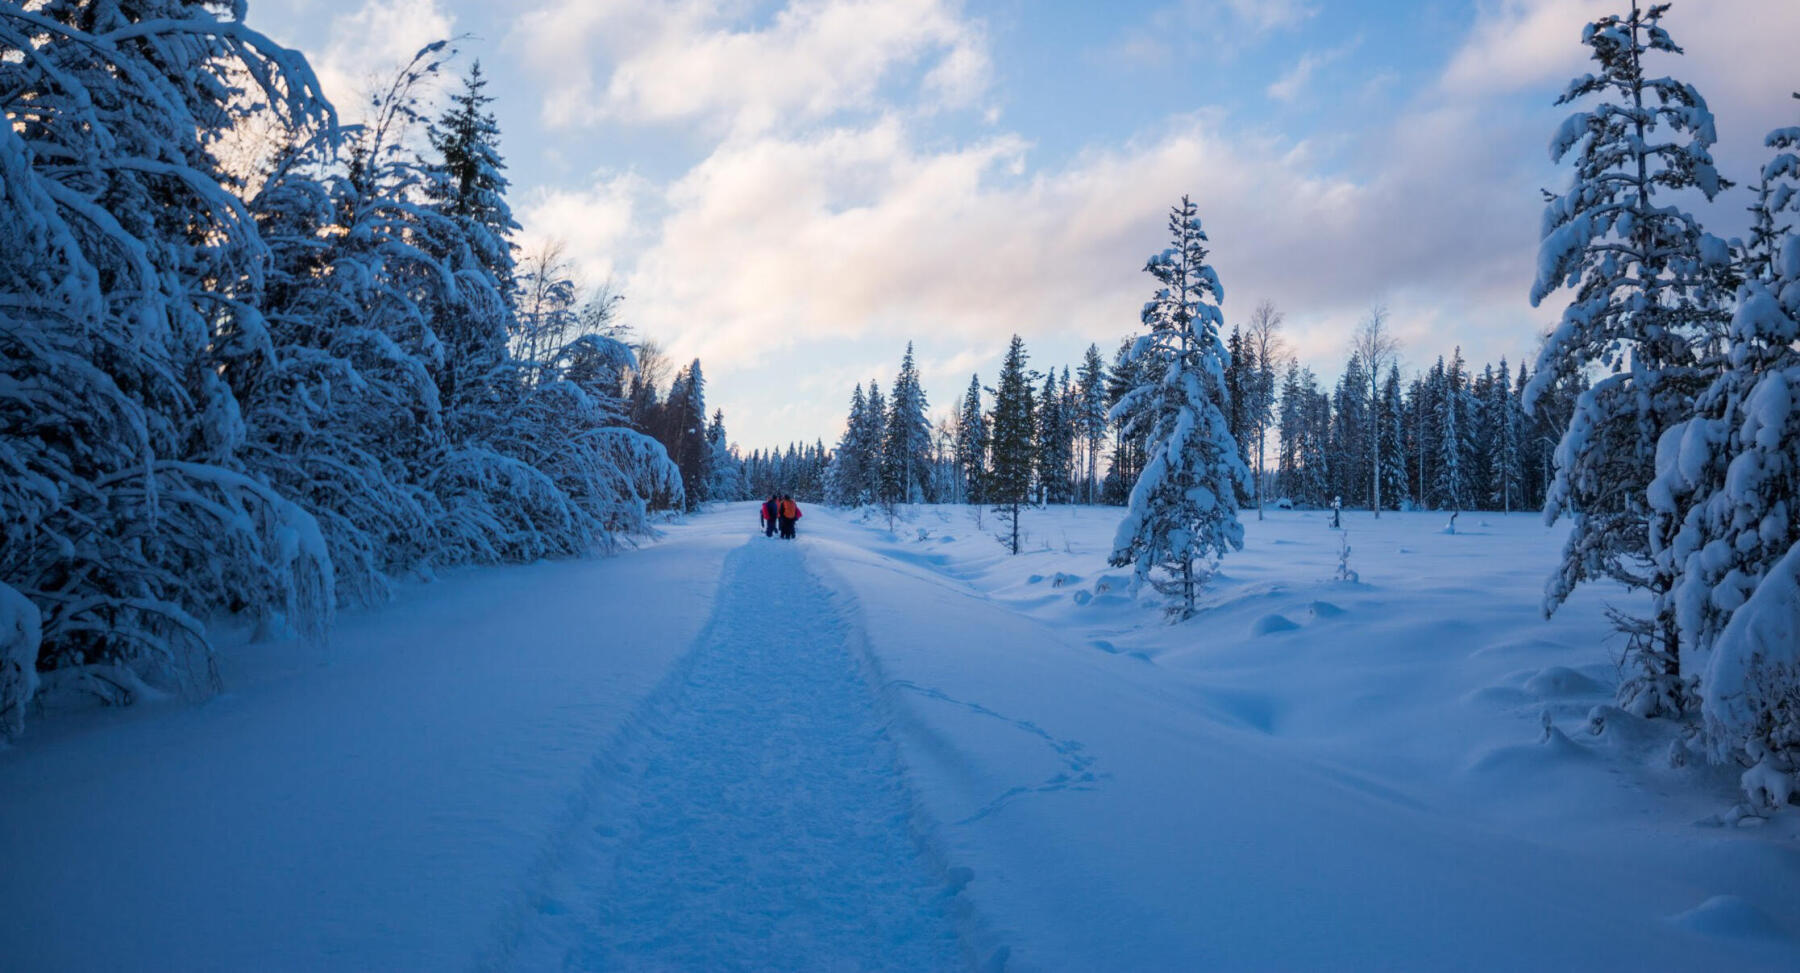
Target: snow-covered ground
(907, 750)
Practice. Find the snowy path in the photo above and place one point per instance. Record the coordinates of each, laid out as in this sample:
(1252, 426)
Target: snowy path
(763, 821)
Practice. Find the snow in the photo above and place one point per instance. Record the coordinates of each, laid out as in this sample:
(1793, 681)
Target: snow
(1754, 668)
(872, 749)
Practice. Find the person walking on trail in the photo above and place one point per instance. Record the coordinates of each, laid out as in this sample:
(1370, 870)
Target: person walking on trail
(770, 511)
(788, 511)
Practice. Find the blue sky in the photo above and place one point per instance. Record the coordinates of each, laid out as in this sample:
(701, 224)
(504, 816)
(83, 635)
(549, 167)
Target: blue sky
(793, 190)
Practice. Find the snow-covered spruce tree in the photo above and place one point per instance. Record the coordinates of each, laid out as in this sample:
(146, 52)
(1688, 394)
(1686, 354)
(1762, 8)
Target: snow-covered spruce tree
(1451, 489)
(1725, 521)
(1011, 451)
(684, 416)
(1504, 464)
(1183, 510)
(971, 443)
(1391, 453)
(1052, 457)
(844, 479)
(130, 279)
(725, 472)
(906, 441)
(1090, 419)
(871, 440)
(1640, 311)
(1350, 435)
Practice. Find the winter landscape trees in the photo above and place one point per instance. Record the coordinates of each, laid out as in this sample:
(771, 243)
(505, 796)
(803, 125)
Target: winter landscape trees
(264, 394)
(1656, 416)
(1182, 515)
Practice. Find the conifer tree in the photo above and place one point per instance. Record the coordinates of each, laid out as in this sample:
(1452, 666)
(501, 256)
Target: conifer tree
(1505, 467)
(1183, 509)
(844, 481)
(906, 441)
(1090, 421)
(1451, 489)
(1392, 447)
(1724, 508)
(1641, 300)
(972, 443)
(1011, 452)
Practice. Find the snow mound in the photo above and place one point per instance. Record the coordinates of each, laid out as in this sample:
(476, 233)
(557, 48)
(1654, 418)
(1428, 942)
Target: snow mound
(1555, 750)
(1557, 681)
(1252, 710)
(1324, 609)
(1730, 917)
(1272, 623)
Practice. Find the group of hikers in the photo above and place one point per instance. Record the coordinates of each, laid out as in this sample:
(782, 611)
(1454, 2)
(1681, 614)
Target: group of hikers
(778, 514)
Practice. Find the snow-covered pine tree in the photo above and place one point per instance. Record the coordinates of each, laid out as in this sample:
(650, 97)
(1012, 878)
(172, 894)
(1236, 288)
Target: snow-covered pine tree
(1392, 449)
(1183, 509)
(466, 185)
(906, 439)
(873, 436)
(685, 418)
(1049, 442)
(1287, 433)
(1725, 521)
(1315, 455)
(1128, 437)
(972, 443)
(1241, 377)
(725, 472)
(1350, 435)
(1011, 450)
(1639, 311)
(1090, 419)
(1504, 465)
(1451, 489)
(844, 480)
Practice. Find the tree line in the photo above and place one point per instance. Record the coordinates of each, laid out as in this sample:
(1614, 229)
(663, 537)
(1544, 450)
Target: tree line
(1661, 416)
(257, 362)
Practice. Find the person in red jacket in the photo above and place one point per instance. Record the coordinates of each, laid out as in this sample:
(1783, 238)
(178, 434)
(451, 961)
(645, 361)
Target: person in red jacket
(788, 511)
(770, 508)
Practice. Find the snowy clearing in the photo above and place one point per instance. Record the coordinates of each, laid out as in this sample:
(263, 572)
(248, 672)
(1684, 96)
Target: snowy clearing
(907, 750)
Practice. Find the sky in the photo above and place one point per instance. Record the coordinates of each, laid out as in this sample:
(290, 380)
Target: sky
(792, 191)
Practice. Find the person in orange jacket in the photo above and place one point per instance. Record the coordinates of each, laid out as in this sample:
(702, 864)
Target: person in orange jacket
(788, 511)
(770, 510)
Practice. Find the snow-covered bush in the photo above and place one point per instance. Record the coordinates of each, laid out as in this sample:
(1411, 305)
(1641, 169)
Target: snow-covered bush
(259, 395)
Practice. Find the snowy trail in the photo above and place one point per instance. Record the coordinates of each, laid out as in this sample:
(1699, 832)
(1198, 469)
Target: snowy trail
(763, 820)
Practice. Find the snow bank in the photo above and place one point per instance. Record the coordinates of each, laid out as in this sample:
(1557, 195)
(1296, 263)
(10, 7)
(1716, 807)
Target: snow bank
(19, 634)
(1753, 672)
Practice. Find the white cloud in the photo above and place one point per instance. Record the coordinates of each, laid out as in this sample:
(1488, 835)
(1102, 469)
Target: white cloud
(376, 38)
(595, 225)
(854, 233)
(1739, 53)
(693, 61)
(802, 229)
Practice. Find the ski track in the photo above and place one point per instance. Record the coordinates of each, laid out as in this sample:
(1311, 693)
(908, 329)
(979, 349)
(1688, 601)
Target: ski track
(761, 818)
